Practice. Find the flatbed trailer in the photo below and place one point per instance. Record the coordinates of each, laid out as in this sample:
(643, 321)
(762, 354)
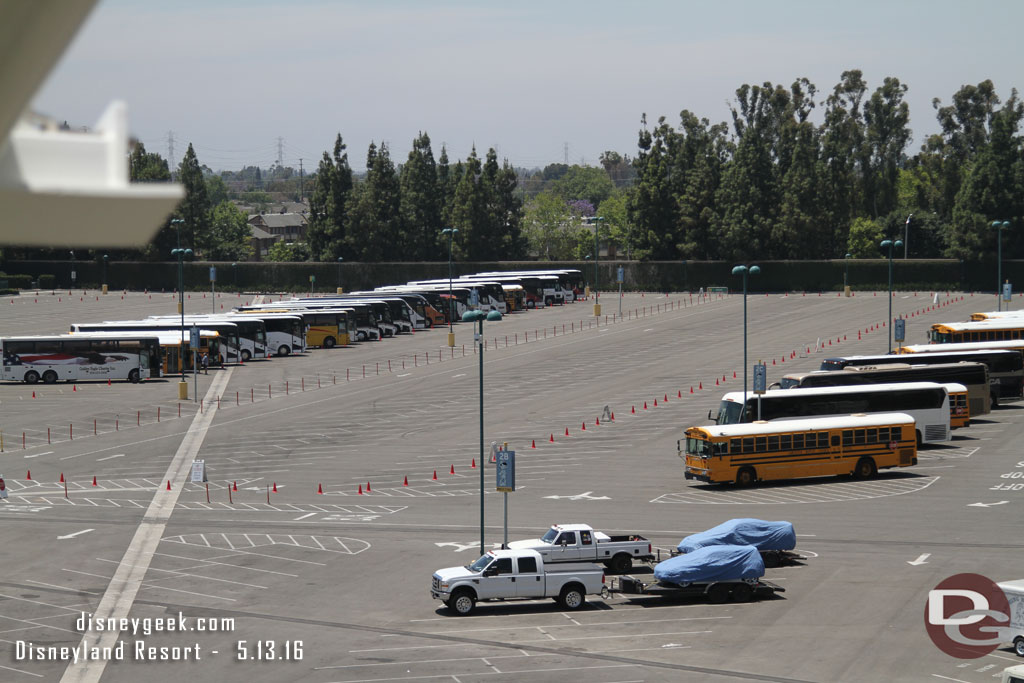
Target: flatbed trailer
(716, 592)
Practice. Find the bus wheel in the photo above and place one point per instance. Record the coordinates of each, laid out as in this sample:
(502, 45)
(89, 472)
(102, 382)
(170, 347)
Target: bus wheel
(284, 350)
(246, 355)
(865, 469)
(31, 377)
(134, 376)
(49, 377)
(329, 343)
(746, 477)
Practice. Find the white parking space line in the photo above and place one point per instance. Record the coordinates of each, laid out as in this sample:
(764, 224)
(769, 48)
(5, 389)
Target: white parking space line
(603, 623)
(619, 635)
(27, 673)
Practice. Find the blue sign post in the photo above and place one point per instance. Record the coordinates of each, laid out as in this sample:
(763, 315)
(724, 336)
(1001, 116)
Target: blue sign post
(505, 480)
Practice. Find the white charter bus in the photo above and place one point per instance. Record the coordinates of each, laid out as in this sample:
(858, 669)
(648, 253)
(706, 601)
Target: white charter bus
(72, 358)
(926, 402)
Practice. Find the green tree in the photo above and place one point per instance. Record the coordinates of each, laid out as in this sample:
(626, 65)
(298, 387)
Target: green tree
(615, 227)
(864, 237)
(216, 190)
(328, 205)
(146, 167)
(469, 212)
(584, 182)
(550, 228)
(888, 132)
(374, 219)
(420, 202)
(652, 205)
(843, 155)
(194, 209)
(229, 235)
(288, 251)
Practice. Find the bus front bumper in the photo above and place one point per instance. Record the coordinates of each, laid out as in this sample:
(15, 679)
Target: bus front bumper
(699, 475)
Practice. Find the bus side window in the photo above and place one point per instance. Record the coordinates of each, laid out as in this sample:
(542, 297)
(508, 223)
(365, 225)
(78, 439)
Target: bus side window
(823, 440)
(748, 445)
(786, 442)
(847, 437)
(872, 436)
(734, 446)
(722, 448)
(773, 443)
(835, 440)
(883, 435)
(798, 441)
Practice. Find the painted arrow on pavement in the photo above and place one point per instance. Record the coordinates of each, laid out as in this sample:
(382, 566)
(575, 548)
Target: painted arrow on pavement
(920, 560)
(77, 533)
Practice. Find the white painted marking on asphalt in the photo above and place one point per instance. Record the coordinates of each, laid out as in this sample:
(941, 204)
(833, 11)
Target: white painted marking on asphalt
(36, 455)
(461, 374)
(404, 374)
(111, 457)
(29, 673)
(128, 578)
(987, 505)
(77, 533)
(947, 678)
(921, 559)
(308, 514)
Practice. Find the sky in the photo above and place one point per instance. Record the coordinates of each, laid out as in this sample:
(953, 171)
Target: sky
(535, 80)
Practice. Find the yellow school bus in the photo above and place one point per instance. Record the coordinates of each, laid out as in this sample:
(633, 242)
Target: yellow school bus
(990, 330)
(789, 449)
(959, 406)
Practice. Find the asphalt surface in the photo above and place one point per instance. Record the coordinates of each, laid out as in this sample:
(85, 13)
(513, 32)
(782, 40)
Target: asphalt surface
(347, 574)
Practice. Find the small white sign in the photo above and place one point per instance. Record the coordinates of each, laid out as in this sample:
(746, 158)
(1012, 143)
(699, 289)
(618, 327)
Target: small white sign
(198, 471)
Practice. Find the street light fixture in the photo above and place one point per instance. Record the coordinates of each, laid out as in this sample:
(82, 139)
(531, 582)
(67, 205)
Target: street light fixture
(745, 271)
(451, 301)
(471, 317)
(72, 268)
(106, 257)
(846, 276)
(234, 274)
(597, 256)
(340, 259)
(180, 254)
(999, 225)
(890, 245)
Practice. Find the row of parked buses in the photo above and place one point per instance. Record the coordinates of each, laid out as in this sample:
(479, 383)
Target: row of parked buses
(859, 414)
(134, 350)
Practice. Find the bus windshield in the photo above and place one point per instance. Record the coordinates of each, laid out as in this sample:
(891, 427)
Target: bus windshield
(698, 447)
(729, 413)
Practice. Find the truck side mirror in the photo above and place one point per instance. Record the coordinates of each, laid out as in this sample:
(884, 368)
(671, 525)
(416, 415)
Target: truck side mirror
(564, 542)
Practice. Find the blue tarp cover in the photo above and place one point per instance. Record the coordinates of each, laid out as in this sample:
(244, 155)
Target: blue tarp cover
(756, 532)
(713, 563)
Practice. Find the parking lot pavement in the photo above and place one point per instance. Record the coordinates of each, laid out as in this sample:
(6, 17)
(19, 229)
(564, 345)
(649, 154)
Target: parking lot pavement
(346, 571)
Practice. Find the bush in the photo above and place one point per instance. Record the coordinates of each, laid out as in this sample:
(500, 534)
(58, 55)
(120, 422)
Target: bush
(17, 281)
(47, 281)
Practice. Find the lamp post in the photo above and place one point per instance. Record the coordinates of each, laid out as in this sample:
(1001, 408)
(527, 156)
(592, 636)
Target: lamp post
(106, 257)
(745, 271)
(470, 317)
(906, 236)
(73, 274)
(340, 259)
(234, 274)
(597, 257)
(846, 276)
(180, 254)
(999, 225)
(451, 301)
(890, 245)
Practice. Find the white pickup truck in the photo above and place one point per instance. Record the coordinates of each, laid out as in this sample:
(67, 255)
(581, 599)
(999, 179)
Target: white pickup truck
(579, 542)
(510, 574)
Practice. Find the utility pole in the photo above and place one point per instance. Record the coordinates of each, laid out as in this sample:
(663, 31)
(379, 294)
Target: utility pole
(300, 180)
(170, 150)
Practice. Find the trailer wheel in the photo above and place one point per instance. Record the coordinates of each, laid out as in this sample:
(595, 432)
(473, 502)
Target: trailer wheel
(1018, 646)
(865, 469)
(329, 342)
(746, 477)
(620, 564)
(718, 593)
(742, 592)
(572, 597)
(463, 601)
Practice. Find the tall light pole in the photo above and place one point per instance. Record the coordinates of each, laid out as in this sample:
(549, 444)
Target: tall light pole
(745, 271)
(106, 257)
(181, 254)
(72, 268)
(340, 259)
(451, 301)
(597, 256)
(471, 317)
(906, 236)
(846, 276)
(890, 245)
(234, 273)
(999, 225)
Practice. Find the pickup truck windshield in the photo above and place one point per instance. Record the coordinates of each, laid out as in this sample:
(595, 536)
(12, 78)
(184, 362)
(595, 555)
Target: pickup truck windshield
(549, 537)
(480, 564)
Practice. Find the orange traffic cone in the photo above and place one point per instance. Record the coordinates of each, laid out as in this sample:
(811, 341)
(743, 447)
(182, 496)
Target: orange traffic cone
(551, 438)
(234, 486)
(360, 489)
(62, 477)
(435, 475)
(472, 465)
(368, 487)
(405, 482)
(94, 480)
(584, 427)
(275, 487)
(533, 444)
(567, 431)
(452, 470)
(168, 484)
(320, 489)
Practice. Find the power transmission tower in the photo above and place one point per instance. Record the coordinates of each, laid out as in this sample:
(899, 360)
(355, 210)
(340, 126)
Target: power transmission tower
(280, 152)
(170, 150)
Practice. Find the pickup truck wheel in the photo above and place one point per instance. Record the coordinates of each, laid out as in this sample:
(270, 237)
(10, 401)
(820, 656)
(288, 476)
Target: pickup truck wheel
(1018, 646)
(718, 593)
(463, 602)
(572, 597)
(743, 592)
(621, 563)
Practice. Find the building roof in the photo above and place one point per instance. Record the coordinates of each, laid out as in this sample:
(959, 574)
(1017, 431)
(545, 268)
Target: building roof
(279, 220)
(261, 234)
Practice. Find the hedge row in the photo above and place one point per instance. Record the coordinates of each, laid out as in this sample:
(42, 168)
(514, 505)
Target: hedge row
(777, 276)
